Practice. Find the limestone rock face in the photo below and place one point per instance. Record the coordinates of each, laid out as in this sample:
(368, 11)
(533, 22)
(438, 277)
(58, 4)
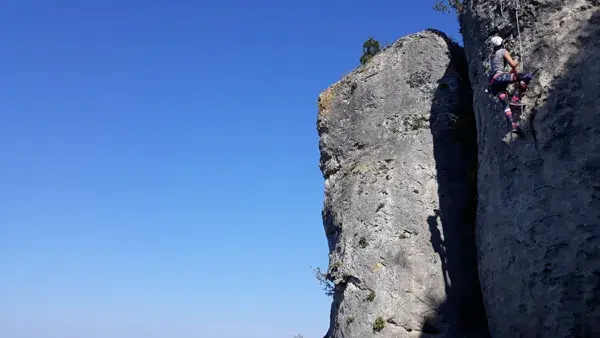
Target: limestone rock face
(398, 156)
(538, 218)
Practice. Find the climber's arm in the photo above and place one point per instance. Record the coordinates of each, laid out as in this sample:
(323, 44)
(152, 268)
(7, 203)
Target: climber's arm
(510, 60)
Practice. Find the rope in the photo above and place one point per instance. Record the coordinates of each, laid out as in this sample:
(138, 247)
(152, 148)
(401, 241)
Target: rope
(519, 33)
(520, 44)
(502, 10)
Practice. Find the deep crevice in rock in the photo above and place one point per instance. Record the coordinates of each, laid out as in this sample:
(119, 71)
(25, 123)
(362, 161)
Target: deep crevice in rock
(452, 227)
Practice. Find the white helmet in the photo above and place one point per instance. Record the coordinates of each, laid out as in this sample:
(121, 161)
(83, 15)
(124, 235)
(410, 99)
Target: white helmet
(497, 41)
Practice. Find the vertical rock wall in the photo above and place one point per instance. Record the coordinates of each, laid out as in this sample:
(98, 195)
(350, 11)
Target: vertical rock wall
(398, 156)
(538, 226)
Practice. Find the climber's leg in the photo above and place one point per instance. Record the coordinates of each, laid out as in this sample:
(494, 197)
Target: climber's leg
(523, 80)
(504, 79)
(506, 106)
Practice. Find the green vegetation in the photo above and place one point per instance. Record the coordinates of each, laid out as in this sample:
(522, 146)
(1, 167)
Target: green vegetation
(371, 296)
(447, 6)
(363, 242)
(370, 48)
(378, 325)
(323, 279)
(418, 122)
(350, 319)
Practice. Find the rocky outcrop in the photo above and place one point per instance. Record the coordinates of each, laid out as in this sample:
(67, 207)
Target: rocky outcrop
(538, 219)
(398, 156)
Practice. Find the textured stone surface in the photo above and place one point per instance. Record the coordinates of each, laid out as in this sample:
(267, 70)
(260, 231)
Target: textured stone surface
(398, 151)
(538, 227)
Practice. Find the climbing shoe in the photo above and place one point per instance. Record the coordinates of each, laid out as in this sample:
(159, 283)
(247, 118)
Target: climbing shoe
(517, 130)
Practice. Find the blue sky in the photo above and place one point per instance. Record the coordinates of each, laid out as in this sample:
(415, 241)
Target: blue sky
(159, 166)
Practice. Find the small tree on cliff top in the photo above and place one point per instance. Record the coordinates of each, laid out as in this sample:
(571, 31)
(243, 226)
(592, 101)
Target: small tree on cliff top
(447, 6)
(370, 48)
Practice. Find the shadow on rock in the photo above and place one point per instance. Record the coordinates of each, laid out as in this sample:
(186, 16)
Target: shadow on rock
(452, 227)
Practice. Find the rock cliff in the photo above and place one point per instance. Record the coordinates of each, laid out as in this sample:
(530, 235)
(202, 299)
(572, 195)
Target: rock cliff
(538, 218)
(398, 155)
(435, 224)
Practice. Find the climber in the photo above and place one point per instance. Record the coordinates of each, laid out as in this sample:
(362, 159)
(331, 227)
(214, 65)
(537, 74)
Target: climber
(499, 79)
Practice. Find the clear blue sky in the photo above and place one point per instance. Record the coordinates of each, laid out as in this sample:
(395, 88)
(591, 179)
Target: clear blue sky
(159, 166)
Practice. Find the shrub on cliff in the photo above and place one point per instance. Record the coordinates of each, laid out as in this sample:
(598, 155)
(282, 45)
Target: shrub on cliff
(323, 279)
(446, 6)
(370, 48)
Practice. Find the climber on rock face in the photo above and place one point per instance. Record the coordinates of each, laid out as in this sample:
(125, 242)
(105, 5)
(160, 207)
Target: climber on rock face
(500, 79)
